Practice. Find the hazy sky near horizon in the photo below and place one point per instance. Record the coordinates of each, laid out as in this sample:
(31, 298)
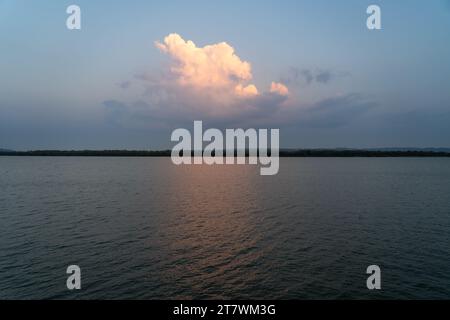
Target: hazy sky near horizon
(310, 68)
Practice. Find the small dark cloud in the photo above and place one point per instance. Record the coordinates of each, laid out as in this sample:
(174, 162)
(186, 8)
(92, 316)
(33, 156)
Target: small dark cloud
(155, 77)
(295, 76)
(124, 84)
(324, 76)
(305, 77)
(142, 76)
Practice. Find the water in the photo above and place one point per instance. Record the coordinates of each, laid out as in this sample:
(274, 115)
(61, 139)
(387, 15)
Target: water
(143, 228)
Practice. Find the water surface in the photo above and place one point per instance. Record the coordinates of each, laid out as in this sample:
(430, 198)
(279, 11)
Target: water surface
(143, 228)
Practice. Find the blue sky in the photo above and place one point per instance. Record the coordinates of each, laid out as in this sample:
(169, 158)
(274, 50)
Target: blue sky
(348, 86)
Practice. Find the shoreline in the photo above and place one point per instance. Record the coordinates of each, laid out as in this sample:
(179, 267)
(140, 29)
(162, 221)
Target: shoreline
(282, 153)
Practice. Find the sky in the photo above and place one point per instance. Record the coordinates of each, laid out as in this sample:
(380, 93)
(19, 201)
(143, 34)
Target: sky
(137, 70)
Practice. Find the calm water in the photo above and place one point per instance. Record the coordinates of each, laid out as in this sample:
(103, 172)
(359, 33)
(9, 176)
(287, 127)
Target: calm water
(143, 228)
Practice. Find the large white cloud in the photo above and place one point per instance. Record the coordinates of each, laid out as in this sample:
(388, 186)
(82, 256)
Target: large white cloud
(209, 83)
(212, 67)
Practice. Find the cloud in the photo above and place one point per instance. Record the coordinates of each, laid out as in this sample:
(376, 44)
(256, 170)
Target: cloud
(124, 84)
(211, 68)
(324, 76)
(210, 82)
(214, 84)
(307, 75)
(247, 91)
(279, 88)
(296, 76)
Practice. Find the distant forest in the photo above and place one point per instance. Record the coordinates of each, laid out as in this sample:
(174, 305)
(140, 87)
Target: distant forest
(283, 153)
